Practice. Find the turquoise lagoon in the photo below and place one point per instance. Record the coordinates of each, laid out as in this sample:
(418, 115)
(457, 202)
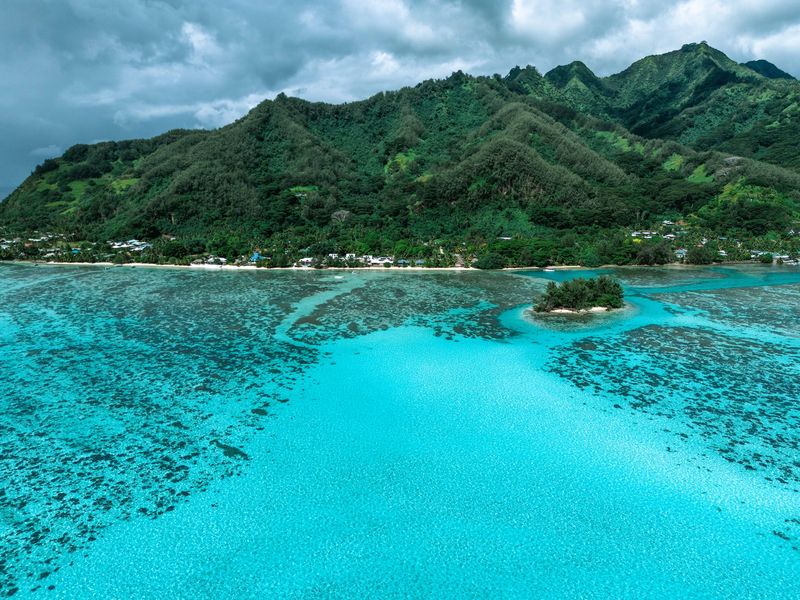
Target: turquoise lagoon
(182, 434)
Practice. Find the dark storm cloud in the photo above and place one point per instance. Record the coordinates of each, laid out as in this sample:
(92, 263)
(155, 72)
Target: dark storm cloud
(86, 70)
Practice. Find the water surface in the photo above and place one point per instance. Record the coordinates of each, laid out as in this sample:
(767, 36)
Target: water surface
(317, 434)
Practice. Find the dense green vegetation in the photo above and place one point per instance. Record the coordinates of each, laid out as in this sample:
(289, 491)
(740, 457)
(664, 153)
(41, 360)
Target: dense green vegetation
(696, 96)
(514, 171)
(582, 294)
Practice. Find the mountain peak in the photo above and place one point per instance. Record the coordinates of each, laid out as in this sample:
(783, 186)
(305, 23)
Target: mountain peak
(767, 69)
(528, 70)
(696, 47)
(562, 75)
(576, 66)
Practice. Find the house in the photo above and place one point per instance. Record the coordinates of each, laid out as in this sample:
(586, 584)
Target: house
(680, 253)
(255, 257)
(306, 261)
(403, 262)
(419, 262)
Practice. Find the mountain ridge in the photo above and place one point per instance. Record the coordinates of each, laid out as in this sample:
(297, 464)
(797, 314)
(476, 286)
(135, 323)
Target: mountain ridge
(468, 160)
(698, 96)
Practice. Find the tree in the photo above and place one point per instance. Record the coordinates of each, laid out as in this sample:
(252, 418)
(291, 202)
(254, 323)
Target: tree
(699, 255)
(582, 294)
(654, 254)
(491, 260)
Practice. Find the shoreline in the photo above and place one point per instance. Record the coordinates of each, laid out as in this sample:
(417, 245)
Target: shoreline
(393, 269)
(109, 265)
(205, 267)
(579, 311)
(589, 315)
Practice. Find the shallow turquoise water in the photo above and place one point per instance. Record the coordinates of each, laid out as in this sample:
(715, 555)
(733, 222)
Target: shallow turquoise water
(234, 435)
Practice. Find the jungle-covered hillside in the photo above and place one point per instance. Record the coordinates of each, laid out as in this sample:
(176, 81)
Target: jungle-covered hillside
(689, 136)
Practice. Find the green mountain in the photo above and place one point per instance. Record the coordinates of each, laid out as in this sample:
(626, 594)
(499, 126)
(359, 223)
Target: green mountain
(767, 69)
(551, 162)
(699, 97)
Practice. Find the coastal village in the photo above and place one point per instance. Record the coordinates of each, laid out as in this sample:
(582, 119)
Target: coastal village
(674, 239)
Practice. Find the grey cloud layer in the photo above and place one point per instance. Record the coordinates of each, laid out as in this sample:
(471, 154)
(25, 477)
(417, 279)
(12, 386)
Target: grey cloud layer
(85, 70)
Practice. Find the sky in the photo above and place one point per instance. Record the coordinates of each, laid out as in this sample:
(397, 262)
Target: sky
(81, 71)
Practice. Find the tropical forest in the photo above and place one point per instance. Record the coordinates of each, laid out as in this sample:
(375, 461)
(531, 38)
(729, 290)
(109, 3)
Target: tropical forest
(682, 156)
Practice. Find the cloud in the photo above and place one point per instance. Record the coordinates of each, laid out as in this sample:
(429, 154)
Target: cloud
(47, 151)
(547, 21)
(79, 70)
(737, 28)
(208, 114)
